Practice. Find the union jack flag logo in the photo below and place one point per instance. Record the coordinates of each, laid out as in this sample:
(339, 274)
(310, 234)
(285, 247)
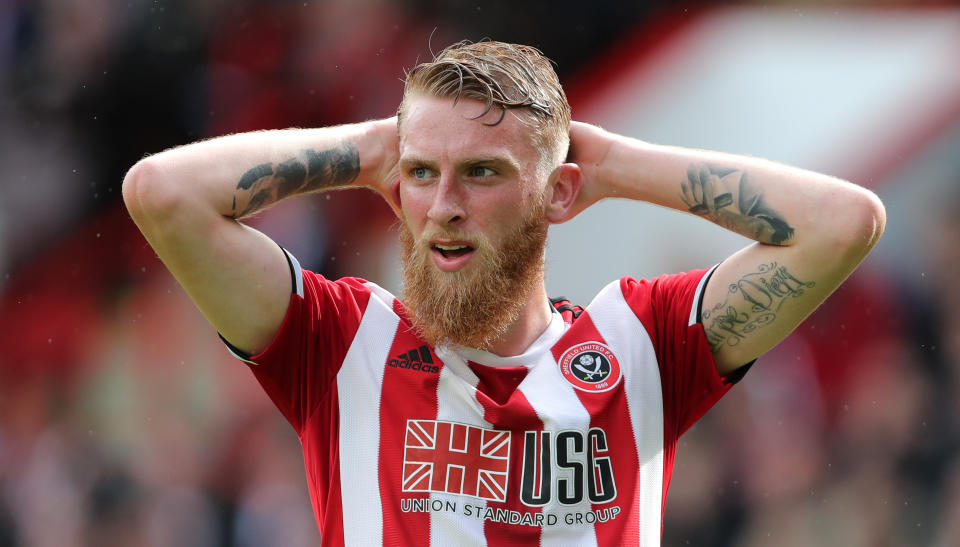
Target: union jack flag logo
(456, 459)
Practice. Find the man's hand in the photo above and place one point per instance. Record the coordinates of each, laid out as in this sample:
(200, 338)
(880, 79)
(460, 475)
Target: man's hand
(387, 176)
(589, 147)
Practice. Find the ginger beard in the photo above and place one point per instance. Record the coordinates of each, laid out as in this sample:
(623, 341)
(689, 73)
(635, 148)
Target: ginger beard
(473, 306)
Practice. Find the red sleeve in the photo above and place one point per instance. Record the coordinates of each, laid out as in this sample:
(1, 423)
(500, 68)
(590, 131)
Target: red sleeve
(669, 308)
(299, 366)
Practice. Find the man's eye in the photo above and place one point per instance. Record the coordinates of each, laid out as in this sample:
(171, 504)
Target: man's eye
(481, 172)
(421, 172)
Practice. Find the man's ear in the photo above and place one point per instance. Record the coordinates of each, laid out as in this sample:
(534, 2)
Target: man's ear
(563, 189)
(394, 199)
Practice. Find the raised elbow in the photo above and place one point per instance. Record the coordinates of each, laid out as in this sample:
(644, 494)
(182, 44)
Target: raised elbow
(854, 224)
(147, 194)
(870, 219)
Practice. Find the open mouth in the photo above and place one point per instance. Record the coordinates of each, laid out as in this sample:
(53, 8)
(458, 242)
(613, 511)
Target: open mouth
(452, 251)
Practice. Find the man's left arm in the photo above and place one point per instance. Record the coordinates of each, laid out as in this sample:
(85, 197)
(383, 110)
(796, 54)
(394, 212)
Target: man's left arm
(810, 230)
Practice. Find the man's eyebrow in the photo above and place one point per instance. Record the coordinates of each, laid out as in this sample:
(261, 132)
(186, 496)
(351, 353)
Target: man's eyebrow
(498, 161)
(485, 159)
(415, 160)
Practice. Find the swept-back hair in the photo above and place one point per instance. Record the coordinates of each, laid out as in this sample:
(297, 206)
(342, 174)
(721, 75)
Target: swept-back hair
(504, 77)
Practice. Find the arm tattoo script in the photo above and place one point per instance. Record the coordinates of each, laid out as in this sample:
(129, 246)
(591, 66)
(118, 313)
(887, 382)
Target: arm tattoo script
(727, 197)
(761, 294)
(310, 170)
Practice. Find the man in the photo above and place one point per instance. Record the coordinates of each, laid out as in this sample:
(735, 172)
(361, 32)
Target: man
(476, 411)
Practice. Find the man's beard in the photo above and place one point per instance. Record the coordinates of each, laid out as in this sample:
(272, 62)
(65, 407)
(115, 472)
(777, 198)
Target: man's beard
(476, 305)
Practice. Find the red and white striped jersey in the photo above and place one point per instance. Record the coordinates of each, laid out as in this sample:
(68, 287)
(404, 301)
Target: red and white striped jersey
(570, 443)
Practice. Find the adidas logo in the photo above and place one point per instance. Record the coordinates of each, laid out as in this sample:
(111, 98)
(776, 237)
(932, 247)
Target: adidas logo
(415, 359)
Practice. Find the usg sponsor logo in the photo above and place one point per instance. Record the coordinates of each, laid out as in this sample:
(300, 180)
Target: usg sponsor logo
(565, 467)
(582, 463)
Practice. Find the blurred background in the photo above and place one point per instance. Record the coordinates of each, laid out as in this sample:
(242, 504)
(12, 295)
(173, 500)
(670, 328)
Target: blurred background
(123, 421)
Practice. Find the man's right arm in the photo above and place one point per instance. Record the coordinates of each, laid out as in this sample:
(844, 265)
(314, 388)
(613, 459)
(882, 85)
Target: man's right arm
(187, 202)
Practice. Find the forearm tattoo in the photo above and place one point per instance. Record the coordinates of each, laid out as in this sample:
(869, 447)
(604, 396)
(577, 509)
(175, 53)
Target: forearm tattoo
(726, 197)
(310, 170)
(750, 304)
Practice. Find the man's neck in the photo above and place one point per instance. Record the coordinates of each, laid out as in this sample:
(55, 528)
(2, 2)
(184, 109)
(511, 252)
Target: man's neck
(533, 320)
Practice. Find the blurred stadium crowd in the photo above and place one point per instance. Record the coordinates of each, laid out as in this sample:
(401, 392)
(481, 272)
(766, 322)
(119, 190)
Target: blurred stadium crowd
(124, 422)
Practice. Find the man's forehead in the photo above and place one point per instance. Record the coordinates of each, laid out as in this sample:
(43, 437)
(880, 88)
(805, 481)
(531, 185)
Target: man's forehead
(436, 125)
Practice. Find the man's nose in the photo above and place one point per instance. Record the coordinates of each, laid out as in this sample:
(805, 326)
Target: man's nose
(448, 202)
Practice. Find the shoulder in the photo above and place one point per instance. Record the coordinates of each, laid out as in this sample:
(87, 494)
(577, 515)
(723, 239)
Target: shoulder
(351, 298)
(675, 293)
(315, 287)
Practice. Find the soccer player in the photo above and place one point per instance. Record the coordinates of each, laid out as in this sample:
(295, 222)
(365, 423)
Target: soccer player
(476, 411)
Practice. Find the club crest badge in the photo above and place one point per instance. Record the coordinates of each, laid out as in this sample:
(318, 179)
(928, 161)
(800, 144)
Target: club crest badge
(590, 366)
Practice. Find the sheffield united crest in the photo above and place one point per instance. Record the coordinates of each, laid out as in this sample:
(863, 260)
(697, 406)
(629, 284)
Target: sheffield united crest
(590, 366)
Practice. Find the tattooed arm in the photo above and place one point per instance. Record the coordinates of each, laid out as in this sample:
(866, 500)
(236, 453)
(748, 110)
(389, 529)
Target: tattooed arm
(187, 200)
(811, 230)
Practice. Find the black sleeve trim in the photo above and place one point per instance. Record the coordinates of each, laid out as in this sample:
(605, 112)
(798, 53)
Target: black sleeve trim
(738, 374)
(295, 288)
(703, 291)
(293, 274)
(740, 371)
(237, 352)
(296, 273)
